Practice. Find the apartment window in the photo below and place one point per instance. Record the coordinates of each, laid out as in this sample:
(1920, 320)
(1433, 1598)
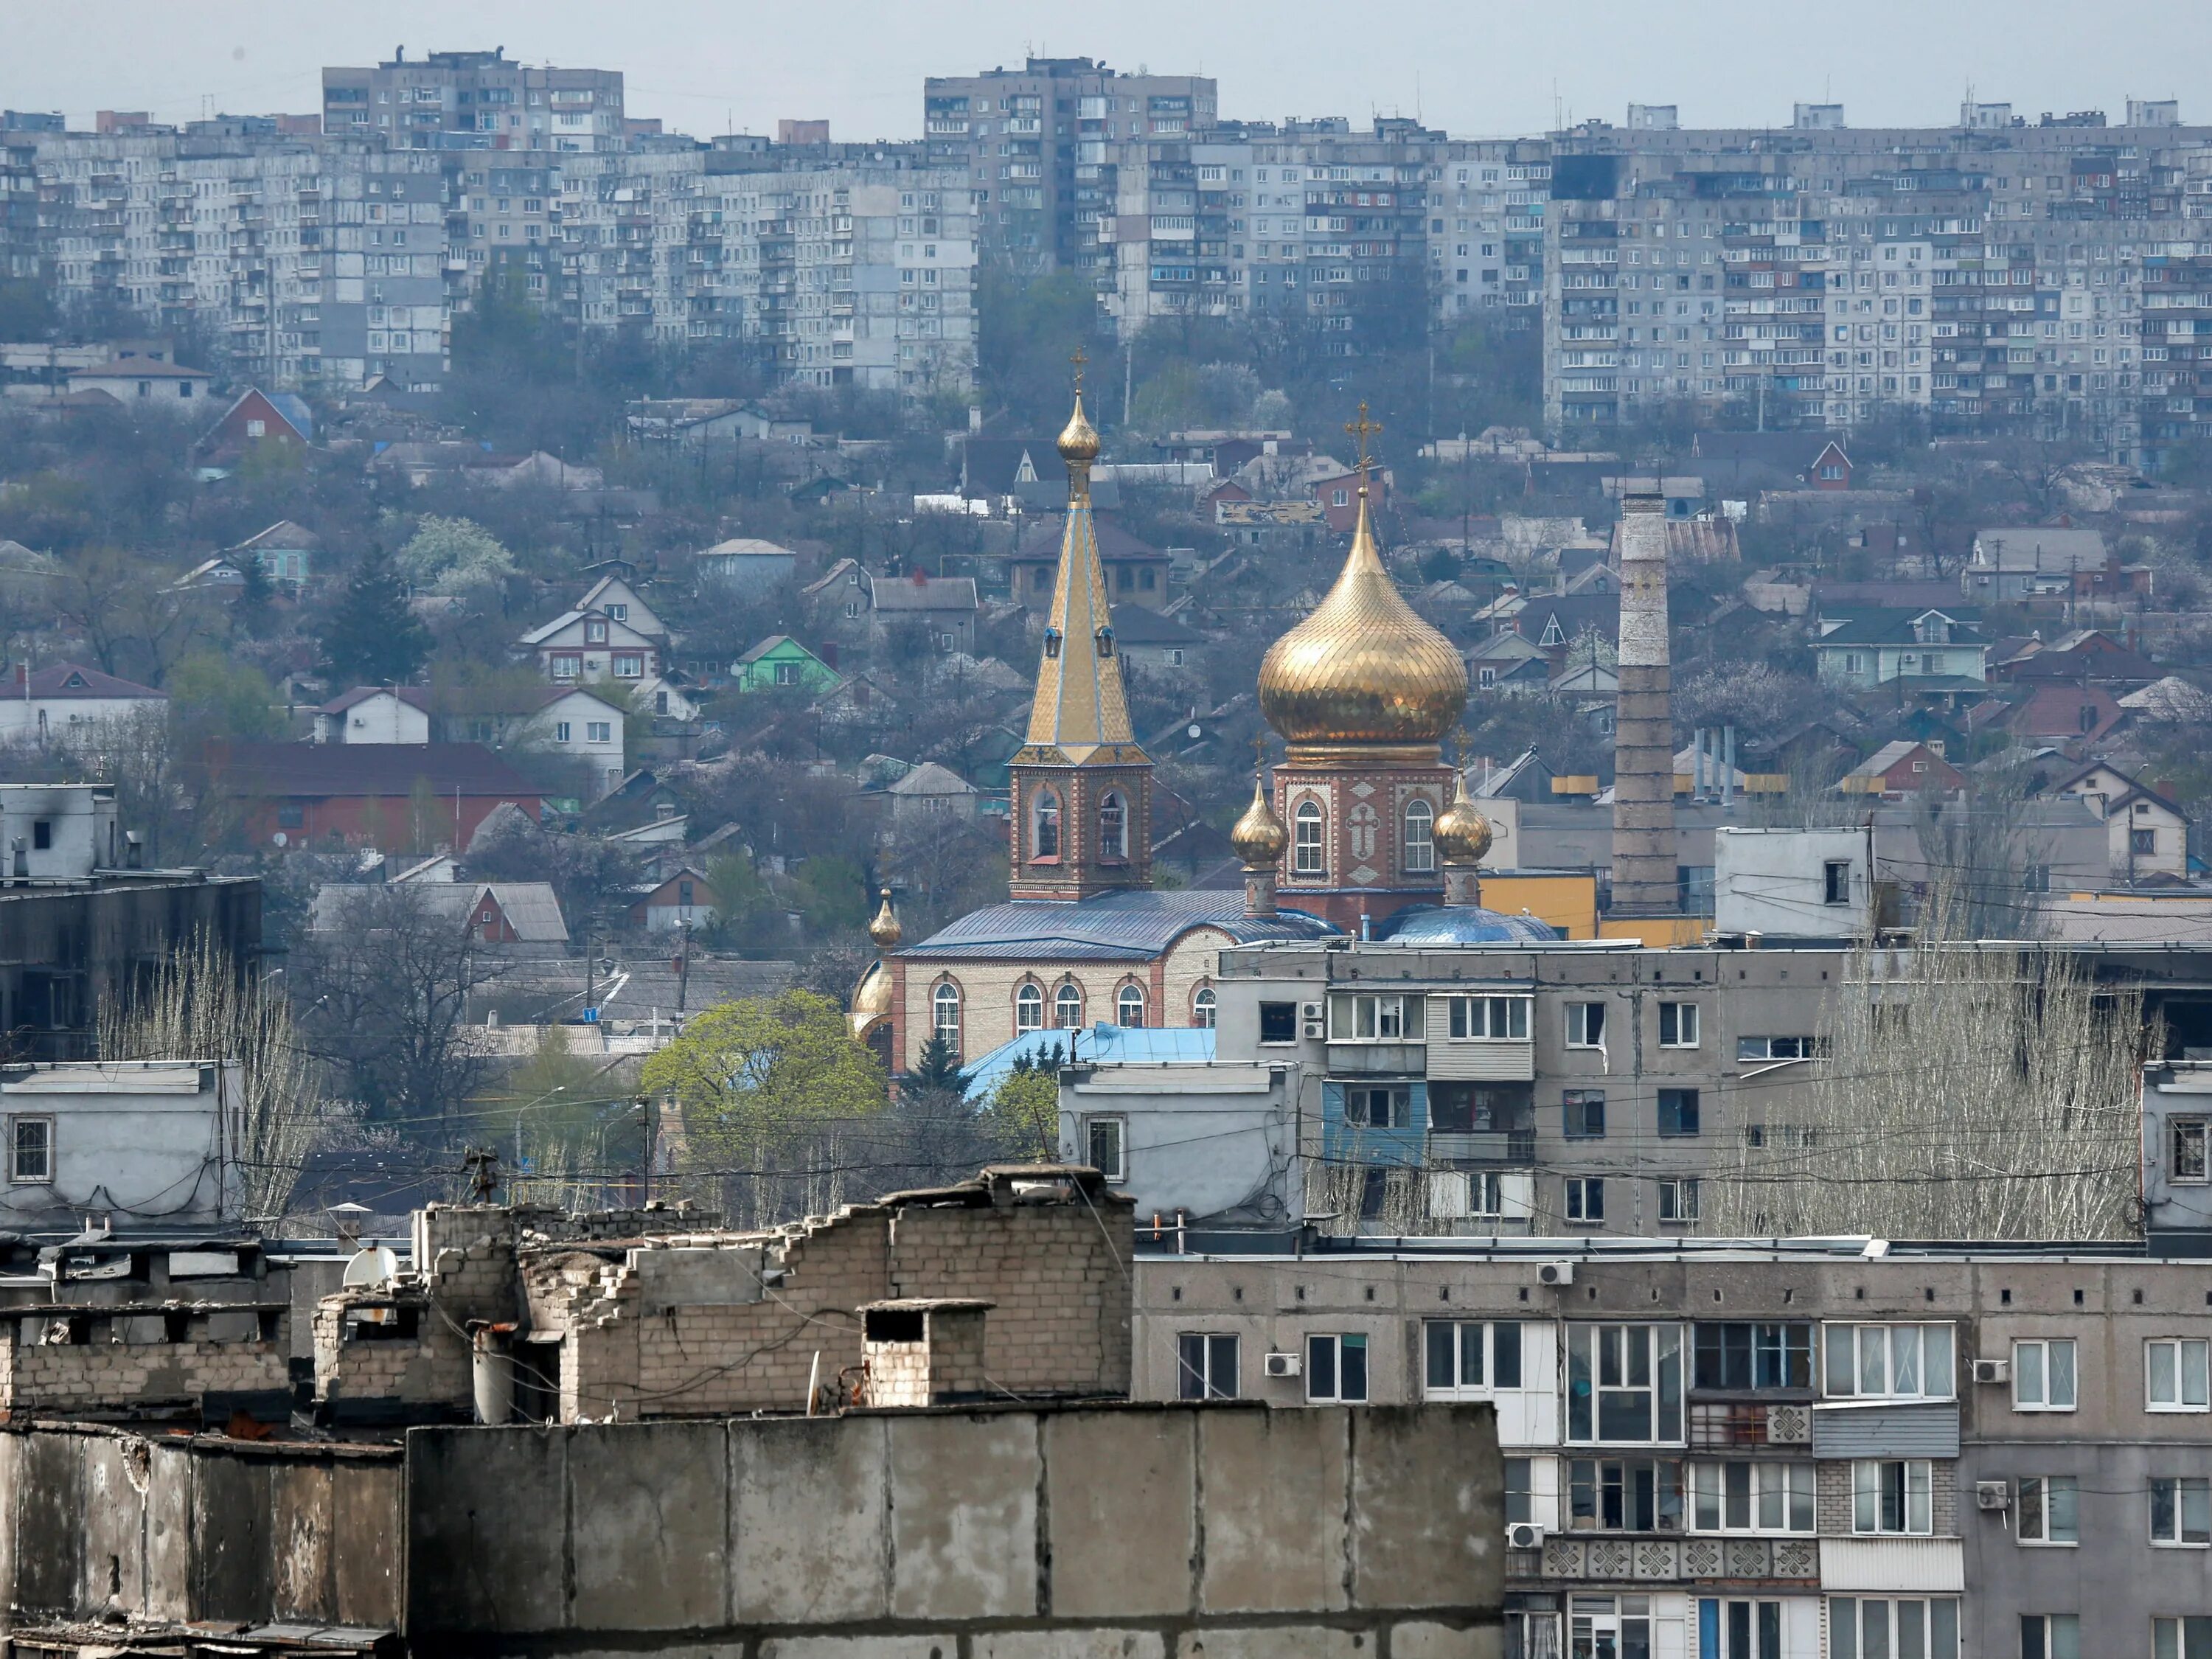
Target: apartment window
(1492, 1019)
(1904, 1626)
(1678, 1025)
(1743, 1354)
(1584, 1113)
(1208, 1365)
(1679, 1200)
(1378, 1106)
(2186, 1638)
(1336, 1369)
(2181, 1510)
(598, 731)
(1279, 1022)
(1890, 1495)
(1899, 1362)
(1780, 1047)
(1585, 1198)
(1104, 1140)
(2043, 1375)
(1586, 1025)
(1624, 1494)
(2188, 1138)
(2046, 1509)
(1751, 1498)
(1365, 1017)
(31, 1149)
(1519, 1490)
(1677, 1111)
(1469, 1359)
(2050, 1636)
(1624, 1383)
(1029, 1010)
(2174, 1375)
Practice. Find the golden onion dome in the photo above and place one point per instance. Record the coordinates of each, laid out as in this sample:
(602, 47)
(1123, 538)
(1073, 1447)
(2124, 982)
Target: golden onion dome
(884, 930)
(1460, 832)
(1079, 439)
(1362, 669)
(872, 999)
(1258, 836)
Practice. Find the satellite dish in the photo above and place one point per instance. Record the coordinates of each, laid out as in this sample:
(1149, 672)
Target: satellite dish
(370, 1269)
(280, 838)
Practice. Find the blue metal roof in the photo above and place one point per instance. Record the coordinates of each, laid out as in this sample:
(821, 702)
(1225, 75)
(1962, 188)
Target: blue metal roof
(1468, 924)
(1135, 927)
(1103, 1045)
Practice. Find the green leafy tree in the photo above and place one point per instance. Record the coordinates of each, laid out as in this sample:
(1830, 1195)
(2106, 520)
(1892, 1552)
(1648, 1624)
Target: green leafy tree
(774, 1098)
(1025, 1108)
(215, 696)
(370, 636)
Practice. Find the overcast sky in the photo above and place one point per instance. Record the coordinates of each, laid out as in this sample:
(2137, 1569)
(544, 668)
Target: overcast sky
(1476, 67)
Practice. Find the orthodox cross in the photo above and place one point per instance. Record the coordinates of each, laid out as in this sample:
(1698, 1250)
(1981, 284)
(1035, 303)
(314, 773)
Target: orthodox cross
(1362, 429)
(1078, 360)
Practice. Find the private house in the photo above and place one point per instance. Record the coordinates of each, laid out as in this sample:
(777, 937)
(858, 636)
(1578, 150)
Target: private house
(1265, 525)
(1924, 651)
(259, 417)
(615, 596)
(523, 916)
(1136, 571)
(1901, 768)
(138, 382)
(1744, 463)
(746, 563)
(567, 720)
(2147, 834)
(65, 700)
(779, 663)
(1507, 661)
(2087, 657)
(285, 551)
(1151, 639)
(839, 593)
(2056, 713)
(930, 791)
(2036, 562)
(584, 644)
(943, 606)
(697, 421)
(391, 796)
(685, 899)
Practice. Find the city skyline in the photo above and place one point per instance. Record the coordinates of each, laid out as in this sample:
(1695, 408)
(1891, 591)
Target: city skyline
(704, 71)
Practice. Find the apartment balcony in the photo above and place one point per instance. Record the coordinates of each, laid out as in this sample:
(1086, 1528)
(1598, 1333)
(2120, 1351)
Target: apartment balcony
(1646, 1560)
(1751, 1425)
(1517, 1147)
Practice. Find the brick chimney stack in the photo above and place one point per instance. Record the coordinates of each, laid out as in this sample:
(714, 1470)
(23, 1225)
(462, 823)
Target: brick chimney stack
(1644, 878)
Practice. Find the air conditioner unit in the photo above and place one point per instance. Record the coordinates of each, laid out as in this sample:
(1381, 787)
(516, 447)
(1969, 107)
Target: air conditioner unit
(1993, 1370)
(1992, 1495)
(1522, 1535)
(1556, 1272)
(1311, 1013)
(1282, 1364)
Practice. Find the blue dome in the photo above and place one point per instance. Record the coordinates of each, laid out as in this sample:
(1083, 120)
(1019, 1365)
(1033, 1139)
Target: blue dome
(1431, 924)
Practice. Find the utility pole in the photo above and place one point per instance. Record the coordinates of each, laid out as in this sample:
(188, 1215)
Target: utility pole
(684, 966)
(645, 1105)
(1128, 371)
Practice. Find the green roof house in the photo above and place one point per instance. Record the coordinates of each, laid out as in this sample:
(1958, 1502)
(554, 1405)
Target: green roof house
(779, 663)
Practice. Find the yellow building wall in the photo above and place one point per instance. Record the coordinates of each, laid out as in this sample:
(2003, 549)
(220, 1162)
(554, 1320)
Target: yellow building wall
(1657, 932)
(1568, 903)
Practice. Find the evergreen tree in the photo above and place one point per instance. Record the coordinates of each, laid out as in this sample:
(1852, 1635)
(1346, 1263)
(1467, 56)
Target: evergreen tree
(937, 1067)
(370, 636)
(250, 611)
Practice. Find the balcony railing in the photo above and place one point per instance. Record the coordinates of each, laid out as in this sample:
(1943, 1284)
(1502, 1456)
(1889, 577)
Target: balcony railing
(1668, 1560)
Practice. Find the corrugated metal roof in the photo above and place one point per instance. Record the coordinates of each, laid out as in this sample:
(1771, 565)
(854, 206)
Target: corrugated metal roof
(1114, 927)
(1100, 1045)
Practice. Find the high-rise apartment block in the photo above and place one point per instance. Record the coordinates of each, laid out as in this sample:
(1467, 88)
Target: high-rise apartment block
(1043, 144)
(462, 100)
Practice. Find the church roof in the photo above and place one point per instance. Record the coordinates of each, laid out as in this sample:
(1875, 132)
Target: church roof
(1127, 926)
(1461, 924)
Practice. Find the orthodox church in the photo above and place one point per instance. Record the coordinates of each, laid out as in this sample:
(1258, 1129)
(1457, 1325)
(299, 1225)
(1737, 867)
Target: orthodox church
(1377, 833)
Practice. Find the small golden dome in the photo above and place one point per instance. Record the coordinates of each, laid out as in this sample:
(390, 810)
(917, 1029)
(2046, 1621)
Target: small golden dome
(884, 930)
(872, 999)
(1460, 832)
(1258, 836)
(1363, 668)
(1079, 439)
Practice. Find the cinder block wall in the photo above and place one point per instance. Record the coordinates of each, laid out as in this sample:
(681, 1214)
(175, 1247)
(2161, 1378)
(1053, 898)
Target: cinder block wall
(1160, 1532)
(113, 1375)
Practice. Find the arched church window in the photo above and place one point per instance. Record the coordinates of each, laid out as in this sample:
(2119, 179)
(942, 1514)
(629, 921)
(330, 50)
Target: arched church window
(1112, 826)
(1308, 856)
(1129, 1006)
(945, 1007)
(1067, 1007)
(1044, 837)
(1204, 1008)
(1420, 839)
(1029, 1010)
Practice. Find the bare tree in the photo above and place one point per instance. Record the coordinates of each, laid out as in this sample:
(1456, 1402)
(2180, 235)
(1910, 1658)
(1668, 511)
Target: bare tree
(385, 978)
(202, 1006)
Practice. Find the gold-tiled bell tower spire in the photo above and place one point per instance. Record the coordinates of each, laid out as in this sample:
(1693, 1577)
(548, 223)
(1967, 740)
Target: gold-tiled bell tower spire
(1081, 787)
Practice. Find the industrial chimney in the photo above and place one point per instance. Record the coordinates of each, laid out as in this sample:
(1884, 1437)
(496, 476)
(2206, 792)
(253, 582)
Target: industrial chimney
(1644, 879)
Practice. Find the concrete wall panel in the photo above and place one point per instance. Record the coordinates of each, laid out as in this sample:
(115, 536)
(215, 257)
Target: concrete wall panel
(963, 1515)
(369, 1505)
(811, 1521)
(49, 1542)
(1070, 1645)
(1273, 1493)
(1125, 1546)
(1429, 1522)
(1276, 1642)
(114, 1564)
(169, 1532)
(233, 1538)
(650, 1504)
(301, 1534)
(487, 1529)
(1426, 1640)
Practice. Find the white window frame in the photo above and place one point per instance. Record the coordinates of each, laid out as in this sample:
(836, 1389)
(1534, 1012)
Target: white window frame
(1681, 1201)
(1578, 1025)
(1125, 999)
(1111, 1127)
(1310, 839)
(2171, 1638)
(1336, 1345)
(1682, 1017)
(1028, 998)
(1419, 820)
(1482, 1337)
(1937, 1616)
(1066, 1000)
(1856, 1339)
(2036, 1499)
(1664, 1345)
(945, 998)
(43, 1174)
(1394, 1091)
(2041, 1355)
(2188, 1357)
(1916, 1497)
(1376, 1016)
(1205, 1008)
(1789, 1490)
(560, 731)
(2178, 1511)
(1213, 1349)
(1488, 1020)
(1584, 1201)
(2051, 1636)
